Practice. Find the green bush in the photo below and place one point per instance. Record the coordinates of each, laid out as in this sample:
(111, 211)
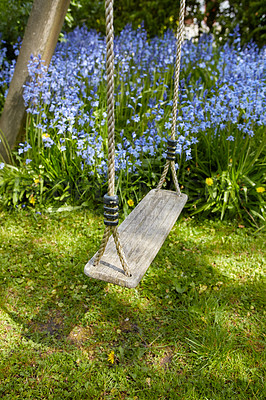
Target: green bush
(157, 16)
(14, 17)
(249, 15)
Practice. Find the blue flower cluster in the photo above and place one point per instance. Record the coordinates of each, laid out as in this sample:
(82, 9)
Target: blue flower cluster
(222, 90)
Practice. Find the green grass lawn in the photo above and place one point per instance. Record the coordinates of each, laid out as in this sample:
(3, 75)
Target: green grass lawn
(193, 328)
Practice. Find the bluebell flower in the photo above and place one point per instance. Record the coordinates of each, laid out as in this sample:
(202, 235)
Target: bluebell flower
(230, 138)
(167, 125)
(65, 100)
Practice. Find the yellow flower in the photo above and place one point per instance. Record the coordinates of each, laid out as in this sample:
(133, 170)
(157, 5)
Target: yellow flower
(36, 181)
(32, 200)
(45, 135)
(130, 202)
(111, 357)
(209, 181)
(260, 189)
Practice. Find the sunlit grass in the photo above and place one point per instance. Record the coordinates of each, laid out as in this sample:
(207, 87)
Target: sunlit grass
(193, 328)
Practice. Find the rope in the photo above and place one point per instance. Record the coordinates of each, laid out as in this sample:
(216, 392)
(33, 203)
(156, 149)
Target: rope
(180, 38)
(166, 167)
(111, 138)
(103, 244)
(177, 188)
(120, 251)
(106, 235)
(110, 95)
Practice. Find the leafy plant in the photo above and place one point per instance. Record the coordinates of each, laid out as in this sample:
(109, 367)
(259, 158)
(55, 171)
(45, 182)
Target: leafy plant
(14, 16)
(248, 15)
(220, 121)
(229, 188)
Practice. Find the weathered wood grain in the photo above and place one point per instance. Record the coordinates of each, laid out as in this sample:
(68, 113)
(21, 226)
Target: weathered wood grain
(142, 234)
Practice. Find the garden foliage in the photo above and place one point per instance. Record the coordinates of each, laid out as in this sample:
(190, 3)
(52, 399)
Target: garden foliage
(157, 16)
(14, 17)
(221, 123)
(248, 14)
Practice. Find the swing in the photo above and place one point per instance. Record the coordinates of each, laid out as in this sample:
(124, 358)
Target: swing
(127, 251)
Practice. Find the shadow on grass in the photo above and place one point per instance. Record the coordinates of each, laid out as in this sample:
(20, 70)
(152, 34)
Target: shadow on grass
(187, 313)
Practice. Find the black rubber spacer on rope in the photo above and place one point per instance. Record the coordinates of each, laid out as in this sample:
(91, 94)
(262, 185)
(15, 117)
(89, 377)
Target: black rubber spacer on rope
(111, 208)
(171, 149)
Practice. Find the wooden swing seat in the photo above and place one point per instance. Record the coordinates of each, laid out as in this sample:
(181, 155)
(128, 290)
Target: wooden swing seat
(142, 234)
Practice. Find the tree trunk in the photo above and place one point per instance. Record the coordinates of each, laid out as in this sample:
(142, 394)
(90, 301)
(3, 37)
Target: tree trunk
(41, 35)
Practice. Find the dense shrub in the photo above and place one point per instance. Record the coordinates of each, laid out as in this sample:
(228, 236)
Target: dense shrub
(249, 15)
(14, 16)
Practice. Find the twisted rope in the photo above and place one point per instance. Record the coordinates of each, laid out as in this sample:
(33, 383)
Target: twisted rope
(105, 238)
(177, 188)
(106, 235)
(110, 95)
(166, 167)
(120, 251)
(180, 38)
(111, 137)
